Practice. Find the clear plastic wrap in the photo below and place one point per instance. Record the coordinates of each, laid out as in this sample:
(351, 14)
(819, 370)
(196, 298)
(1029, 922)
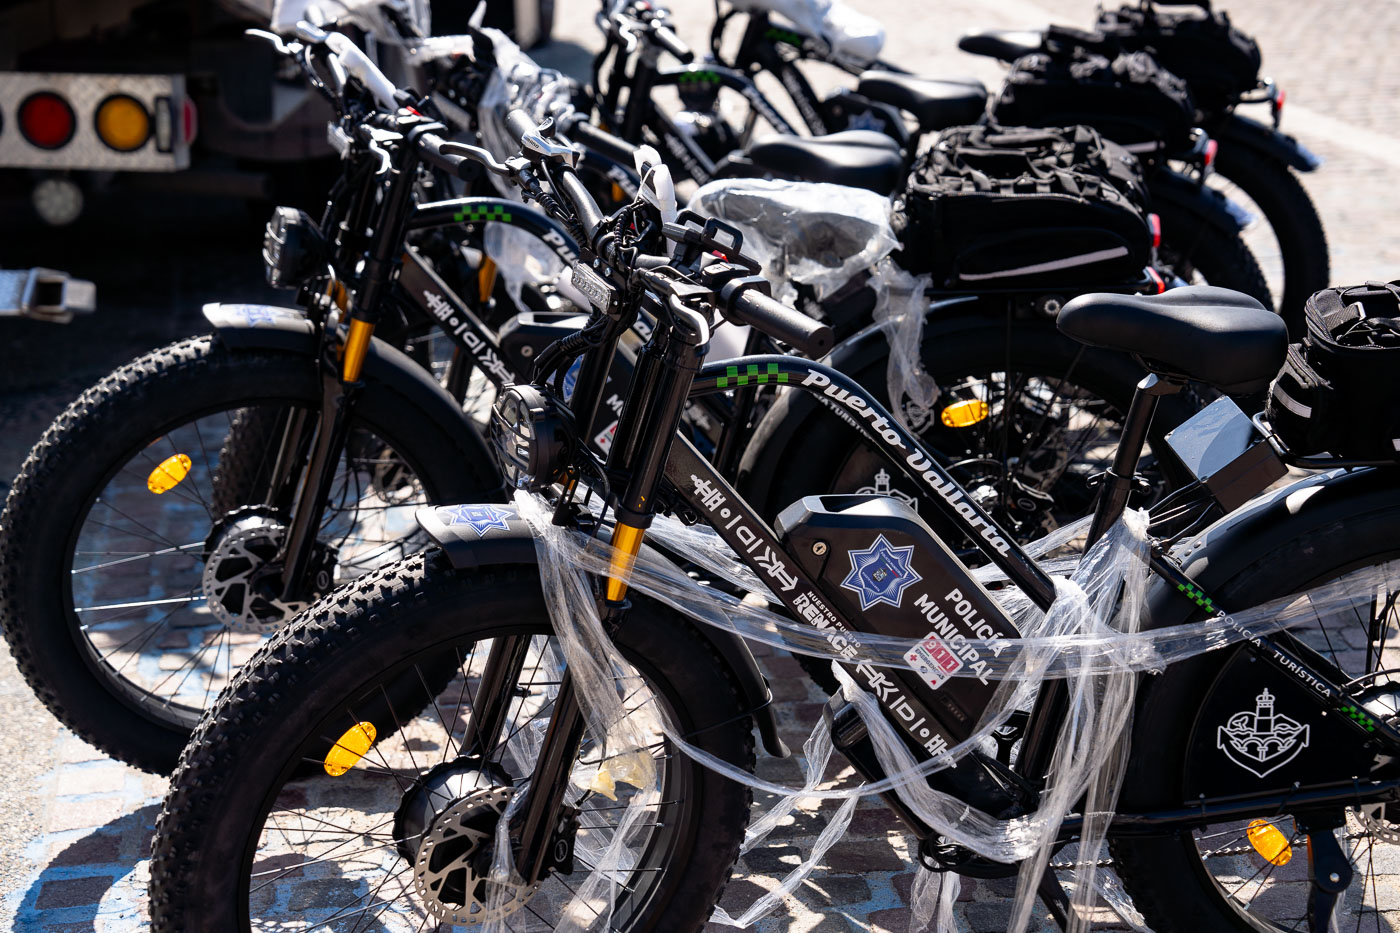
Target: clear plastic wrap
(823, 236)
(521, 258)
(810, 233)
(369, 15)
(853, 37)
(1089, 638)
(517, 83)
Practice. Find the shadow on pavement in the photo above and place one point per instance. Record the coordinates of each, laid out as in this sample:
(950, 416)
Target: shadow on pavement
(69, 892)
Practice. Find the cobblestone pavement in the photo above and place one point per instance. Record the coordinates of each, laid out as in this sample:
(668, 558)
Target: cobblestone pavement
(74, 826)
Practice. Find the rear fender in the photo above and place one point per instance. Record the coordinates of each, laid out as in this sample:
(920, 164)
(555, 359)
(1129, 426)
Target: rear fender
(1189, 197)
(1242, 132)
(486, 535)
(1316, 509)
(1218, 554)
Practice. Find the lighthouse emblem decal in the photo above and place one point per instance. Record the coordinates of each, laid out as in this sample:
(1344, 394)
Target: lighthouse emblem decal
(1261, 740)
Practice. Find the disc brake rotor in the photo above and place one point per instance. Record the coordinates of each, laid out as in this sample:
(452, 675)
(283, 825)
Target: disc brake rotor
(451, 871)
(242, 582)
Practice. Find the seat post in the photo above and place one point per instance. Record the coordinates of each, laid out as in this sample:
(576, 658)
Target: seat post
(1118, 481)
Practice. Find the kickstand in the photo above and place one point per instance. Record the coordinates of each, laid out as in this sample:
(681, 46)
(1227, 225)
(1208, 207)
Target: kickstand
(1053, 896)
(1331, 875)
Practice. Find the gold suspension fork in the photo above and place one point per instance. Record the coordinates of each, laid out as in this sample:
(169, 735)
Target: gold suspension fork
(486, 280)
(626, 541)
(352, 355)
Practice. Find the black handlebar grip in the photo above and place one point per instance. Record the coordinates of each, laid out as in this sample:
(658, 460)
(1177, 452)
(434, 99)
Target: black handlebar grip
(429, 146)
(672, 43)
(585, 208)
(519, 125)
(618, 150)
(777, 320)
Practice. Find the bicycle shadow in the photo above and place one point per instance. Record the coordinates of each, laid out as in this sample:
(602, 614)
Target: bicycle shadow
(78, 883)
(98, 882)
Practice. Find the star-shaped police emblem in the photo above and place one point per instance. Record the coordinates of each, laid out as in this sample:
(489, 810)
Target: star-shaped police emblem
(481, 518)
(881, 573)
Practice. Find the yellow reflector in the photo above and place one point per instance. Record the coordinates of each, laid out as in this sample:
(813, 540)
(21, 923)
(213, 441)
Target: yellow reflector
(964, 414)
(122, 123)
(168, 474)
(1271, 844)
(618, 194)
(350, 748)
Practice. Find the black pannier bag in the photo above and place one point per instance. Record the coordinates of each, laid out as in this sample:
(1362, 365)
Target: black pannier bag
(987, 207)
(1131, 99)
(1216, 60)
(1339, 389)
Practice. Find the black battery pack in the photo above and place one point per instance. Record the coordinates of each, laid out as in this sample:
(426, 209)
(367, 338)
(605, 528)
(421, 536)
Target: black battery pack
(888, 574)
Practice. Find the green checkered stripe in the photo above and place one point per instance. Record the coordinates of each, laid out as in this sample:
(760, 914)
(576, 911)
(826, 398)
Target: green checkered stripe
(751, 376)
(697, 77)
(480, 212)
(1360, 718)
(783, 35)
(1197, 597)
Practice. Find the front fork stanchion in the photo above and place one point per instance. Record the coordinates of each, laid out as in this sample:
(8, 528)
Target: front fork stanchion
(337, 399)
(545, 794)
(355, 350)
(626, 542)
(291, 454)
(486, 281)
(498, 680)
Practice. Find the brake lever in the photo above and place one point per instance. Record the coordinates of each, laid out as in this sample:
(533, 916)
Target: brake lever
(276, 40)
(386, 161)
(541, 144)
(478, 155)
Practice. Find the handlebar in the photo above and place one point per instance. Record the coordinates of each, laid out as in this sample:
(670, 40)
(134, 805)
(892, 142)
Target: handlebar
(668, 40)
(748, 305)
(357, 64)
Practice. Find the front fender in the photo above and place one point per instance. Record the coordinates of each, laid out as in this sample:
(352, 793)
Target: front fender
(250, 326)
(485, 535)
(1238, 131)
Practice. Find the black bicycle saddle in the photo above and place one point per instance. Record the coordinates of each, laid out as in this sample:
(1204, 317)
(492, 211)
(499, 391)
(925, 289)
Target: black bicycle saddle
(855, 158)
(936, 103)
(1213, 335)
(1004, 44)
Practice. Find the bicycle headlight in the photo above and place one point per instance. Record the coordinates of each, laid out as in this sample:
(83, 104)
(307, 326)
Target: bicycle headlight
(530, 435)
(293, 248)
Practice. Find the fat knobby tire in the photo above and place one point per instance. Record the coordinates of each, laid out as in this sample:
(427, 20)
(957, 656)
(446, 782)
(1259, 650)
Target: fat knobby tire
(76, 457)
(345, 643)
(1291, 213)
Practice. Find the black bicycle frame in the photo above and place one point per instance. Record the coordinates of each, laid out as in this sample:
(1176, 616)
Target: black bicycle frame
(705, 492)
(776, 50)
(641, 112)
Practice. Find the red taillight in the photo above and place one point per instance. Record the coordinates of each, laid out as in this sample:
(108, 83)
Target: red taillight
(1156, 280)
(1211, 148)
(46, 120)
(1155, 223)
(1279, 99)
(189, 120)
